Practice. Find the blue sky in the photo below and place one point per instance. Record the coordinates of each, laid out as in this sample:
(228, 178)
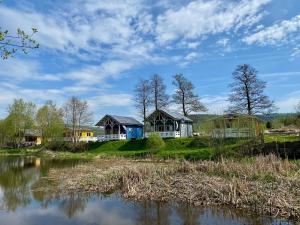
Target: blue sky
(97, 50)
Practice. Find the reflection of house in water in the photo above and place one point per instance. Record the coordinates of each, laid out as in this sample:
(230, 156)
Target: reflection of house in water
(168, 124)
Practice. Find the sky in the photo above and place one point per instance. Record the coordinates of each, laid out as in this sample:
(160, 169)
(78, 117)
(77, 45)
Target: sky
(97, 50)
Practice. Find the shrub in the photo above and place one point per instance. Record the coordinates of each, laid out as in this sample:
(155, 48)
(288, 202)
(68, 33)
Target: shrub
(63, 146)
(155, 142)
(198, 142)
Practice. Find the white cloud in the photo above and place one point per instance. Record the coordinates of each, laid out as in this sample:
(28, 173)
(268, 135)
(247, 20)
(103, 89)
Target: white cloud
(96, 75)
(288, 102)
(200, 18)
(216, 104)
(111, 100)
(276, 34)
(281, 74)
(16, 70)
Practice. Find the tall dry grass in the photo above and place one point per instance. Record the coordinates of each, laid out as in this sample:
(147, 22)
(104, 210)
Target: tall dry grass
(265, 184)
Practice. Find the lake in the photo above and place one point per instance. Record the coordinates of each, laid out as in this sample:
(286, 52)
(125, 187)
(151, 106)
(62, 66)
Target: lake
(22, 203)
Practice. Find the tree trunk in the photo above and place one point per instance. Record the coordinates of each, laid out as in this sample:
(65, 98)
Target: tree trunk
(183, 104)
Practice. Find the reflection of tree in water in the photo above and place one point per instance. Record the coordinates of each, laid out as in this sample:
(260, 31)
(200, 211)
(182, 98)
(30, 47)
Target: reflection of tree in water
(70, 204)
(240, 216)
(150, 213)
(188, 214)
(19, 174)
(15, 181)
(73, 204)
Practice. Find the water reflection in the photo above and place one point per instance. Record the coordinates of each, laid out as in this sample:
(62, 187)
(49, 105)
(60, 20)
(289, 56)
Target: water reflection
(21, 205)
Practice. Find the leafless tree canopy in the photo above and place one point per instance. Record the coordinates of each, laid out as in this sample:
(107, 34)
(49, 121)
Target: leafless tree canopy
(247, 93)
(143, 97)
(298, 108)
(159, 97)
(76, 114)
(185, 96)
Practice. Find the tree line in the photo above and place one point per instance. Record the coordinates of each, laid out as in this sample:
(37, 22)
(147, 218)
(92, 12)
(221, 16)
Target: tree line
(246, 97)
(49, 121)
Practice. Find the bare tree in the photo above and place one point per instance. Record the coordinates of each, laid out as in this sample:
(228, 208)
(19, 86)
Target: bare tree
(76, 113)
(143, 98)
(247, 93)
(159, 97)
(297, 107)
(185, 97)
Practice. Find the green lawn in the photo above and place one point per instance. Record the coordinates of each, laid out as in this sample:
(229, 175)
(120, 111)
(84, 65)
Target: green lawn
(280, 138)
(187, 148)
(175, 148)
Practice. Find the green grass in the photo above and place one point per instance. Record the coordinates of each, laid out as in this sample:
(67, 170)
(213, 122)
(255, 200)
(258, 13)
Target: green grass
(20, 151)
(280, 138)
(186, 148)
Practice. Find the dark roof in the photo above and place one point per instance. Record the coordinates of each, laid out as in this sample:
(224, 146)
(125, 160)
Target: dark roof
(124, 120)
(174, 115)
(32, 133)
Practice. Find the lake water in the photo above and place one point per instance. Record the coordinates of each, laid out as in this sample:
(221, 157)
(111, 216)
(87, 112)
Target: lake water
(19, 205)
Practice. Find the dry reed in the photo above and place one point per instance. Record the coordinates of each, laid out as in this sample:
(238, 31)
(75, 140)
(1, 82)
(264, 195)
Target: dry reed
(264, 184)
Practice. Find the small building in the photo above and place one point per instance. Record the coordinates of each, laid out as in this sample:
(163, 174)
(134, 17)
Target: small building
(235, 126)
(120, 128)
(82, 133)
(168, 124)
(32, 137)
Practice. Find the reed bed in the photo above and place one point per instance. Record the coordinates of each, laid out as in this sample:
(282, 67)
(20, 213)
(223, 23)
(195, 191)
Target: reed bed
(265, 184)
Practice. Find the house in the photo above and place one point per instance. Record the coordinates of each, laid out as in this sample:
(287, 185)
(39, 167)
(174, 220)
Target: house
(168, 124)
(82, 133)
(235, 126)
(32, 137)
(120, 128)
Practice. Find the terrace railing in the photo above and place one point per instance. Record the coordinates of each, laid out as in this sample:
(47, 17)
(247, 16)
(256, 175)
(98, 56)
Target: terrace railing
(110, 137)
(166, 134)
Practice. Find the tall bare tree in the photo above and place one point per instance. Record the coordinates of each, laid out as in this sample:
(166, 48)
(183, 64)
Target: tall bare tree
(143, 98)
(159, 97)
(247, 92)
(76, 114)
(297, 107)
(185, 96)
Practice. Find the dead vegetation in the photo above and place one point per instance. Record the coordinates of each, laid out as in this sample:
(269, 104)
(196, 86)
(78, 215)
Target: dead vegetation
(264, 184)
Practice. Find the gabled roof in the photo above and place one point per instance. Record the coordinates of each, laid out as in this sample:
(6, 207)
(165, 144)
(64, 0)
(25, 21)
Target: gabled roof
(123, 120)
(173, 115)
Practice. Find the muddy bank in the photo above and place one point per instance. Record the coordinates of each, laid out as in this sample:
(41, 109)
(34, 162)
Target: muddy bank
(266, 185)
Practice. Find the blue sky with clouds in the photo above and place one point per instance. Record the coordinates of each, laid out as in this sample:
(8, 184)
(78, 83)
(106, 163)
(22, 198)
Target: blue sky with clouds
(98, 49)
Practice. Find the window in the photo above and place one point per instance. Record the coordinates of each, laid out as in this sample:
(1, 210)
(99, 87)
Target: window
(88, 134)
(80, 134)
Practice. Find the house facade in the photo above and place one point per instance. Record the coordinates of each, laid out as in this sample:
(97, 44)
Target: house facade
(120, 128)
(236, 126)
(82, 134)
(168, 124)
(32, 137)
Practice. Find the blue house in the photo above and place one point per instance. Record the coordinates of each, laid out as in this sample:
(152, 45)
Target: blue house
(120, 128)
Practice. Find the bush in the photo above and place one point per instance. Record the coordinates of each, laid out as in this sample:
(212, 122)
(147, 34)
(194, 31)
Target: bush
(63, 146)
(155, 142)
(198, 142)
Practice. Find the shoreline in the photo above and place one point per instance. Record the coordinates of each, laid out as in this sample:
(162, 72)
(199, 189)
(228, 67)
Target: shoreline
(265, 185)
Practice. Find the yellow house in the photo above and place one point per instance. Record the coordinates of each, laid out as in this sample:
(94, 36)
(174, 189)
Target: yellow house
(33, 137)
(82, 134)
